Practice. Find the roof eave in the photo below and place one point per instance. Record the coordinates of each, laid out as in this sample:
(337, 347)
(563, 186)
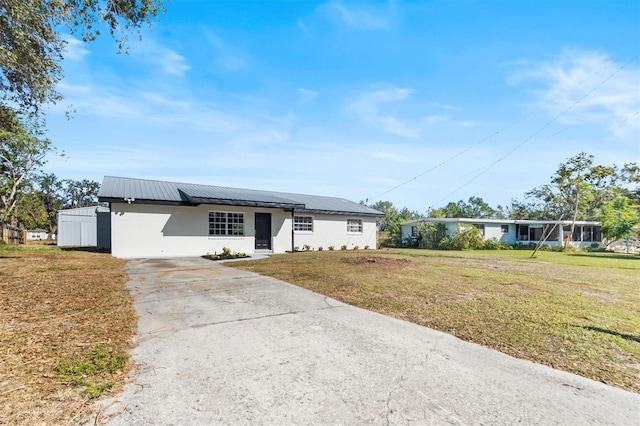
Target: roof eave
(339, 212)
(245, 203)
(143, 201)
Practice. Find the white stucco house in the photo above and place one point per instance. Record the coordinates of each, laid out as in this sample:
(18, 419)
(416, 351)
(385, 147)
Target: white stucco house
(151, 218)
(511, 232)
(37, 234)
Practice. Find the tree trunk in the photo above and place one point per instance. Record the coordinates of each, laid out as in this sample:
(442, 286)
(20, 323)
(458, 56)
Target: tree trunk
(575, 210)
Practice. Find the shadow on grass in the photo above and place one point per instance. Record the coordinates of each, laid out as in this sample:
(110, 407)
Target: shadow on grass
(624, 256)
(85, 249)
(613, 333)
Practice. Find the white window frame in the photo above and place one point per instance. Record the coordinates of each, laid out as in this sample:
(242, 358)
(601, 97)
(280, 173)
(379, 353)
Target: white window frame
(354, 226)
(303, 224)
(228, 228)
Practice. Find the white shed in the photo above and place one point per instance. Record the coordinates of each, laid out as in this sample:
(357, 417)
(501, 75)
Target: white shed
(83, 227)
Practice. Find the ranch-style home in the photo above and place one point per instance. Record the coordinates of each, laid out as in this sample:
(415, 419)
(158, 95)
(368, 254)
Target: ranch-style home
(511, 232)
(151, 218)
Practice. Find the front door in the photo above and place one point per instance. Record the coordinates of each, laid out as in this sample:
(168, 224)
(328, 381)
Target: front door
(263, 231)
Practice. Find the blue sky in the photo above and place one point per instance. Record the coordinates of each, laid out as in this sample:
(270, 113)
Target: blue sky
(418, 103)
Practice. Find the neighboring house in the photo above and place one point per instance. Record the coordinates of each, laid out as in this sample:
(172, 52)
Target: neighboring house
(84, 227)
(162, 219)
(37, 234)
(512, 232)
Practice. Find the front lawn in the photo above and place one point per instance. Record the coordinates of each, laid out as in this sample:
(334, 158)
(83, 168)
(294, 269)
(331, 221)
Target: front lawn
(66, 323)
(578, 312)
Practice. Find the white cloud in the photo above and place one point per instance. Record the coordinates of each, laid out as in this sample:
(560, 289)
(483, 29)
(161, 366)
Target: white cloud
(467, 123)
(393, 156)
(587, 87)
(307, 95)
(379, 181)
(74, 49)
(301, 25)
(97, 101)
(169, 61)
(451, 107)
(435, 118)
(226, 55)
(369, 105)
(358, 18)
(172, 63)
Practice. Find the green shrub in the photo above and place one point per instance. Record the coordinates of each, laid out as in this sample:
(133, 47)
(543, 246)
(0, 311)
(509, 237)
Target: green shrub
(343, 247)
(493, 244)
(356, 248)
(306, 247)
(331, 248)
(319, 248)
(408, 241)
(430, 235)
(446, 243)
(521, 246)
(469, 238)
(366, 247)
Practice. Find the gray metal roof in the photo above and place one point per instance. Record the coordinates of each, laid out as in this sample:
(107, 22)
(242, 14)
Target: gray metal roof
(119, 189)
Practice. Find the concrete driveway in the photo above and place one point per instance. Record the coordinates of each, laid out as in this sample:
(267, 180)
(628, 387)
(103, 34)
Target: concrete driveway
(218, 345)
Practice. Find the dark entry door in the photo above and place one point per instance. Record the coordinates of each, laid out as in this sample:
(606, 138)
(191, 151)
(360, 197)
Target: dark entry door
(263, 231)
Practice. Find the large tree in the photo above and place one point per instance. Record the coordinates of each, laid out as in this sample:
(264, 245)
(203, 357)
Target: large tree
(392, 220)
(49, 190)
(390, 213)
(570, 179)
(22, 152)
(29, 212)
(80, 193)
(475, 207)
(32, 45)
(577, 191)
(618, 218)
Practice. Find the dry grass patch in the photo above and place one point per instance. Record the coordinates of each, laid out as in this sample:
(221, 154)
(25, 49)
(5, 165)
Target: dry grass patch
(66, 322)
(576, 312)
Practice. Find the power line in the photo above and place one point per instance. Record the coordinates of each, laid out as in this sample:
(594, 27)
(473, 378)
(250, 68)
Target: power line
(522, 117)
(537, 132)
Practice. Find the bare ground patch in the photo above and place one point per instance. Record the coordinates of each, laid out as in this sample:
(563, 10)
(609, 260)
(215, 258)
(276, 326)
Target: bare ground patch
(379, 261)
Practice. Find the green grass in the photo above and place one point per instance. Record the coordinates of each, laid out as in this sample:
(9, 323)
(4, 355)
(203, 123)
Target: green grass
(92, 371)
(579, 312)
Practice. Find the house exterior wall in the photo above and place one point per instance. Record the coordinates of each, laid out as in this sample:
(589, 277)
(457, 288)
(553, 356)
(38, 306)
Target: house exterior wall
(494, 230)
(146, 230)
(331, 230)
(37, 235)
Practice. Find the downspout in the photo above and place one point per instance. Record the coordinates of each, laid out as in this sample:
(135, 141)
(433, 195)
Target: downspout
(292, 231)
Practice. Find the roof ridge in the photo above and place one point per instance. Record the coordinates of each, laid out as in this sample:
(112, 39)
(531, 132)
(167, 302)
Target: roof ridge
(229, 187)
